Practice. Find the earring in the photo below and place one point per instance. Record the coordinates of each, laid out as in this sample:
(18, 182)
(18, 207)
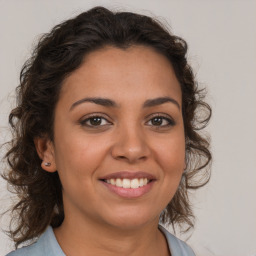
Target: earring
(47, 164)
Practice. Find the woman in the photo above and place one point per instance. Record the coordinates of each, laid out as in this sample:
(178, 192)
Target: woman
(106, 140)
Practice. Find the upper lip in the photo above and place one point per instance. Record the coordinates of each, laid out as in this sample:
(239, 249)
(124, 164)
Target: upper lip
(128, 175)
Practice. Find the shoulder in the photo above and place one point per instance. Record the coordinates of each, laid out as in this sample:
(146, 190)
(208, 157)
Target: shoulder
(27, 250)
(45, 245)
(176, 246)
(33, 249)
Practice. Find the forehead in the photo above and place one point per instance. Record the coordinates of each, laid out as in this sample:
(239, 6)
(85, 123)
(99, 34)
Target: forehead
(113, 71)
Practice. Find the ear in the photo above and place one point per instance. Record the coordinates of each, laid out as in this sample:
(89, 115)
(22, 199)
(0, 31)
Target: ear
(45, 151)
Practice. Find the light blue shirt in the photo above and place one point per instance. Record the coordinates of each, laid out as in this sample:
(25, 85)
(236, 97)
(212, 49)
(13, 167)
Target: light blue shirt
(47, 245)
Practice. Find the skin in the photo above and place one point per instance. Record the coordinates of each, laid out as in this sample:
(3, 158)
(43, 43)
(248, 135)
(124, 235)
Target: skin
(98, 221)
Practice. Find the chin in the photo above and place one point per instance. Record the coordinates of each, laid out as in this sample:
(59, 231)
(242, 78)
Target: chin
(133, 219)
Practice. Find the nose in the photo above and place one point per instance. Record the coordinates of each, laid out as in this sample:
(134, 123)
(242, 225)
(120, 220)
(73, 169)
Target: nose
(130, 145)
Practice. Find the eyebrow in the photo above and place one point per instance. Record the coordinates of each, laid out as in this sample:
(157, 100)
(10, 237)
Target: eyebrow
(110, 103)
(98, 101)
(159, 101)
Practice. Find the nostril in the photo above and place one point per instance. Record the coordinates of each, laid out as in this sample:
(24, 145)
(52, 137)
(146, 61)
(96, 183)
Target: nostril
(122, 157)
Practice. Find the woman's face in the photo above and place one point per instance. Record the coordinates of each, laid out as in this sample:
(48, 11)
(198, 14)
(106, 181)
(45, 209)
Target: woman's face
(119, 143)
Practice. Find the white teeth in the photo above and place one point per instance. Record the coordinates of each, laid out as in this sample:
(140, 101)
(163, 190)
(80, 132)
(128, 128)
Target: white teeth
(119, 183)
(141, 182)
(134, 183)
(112, 181)
(127, 183)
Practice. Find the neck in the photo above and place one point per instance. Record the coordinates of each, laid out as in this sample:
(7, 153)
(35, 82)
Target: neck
(99, 239)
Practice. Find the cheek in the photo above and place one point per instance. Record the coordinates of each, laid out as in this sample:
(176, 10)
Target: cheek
(171, 159)
(77, 159)
(171, 153)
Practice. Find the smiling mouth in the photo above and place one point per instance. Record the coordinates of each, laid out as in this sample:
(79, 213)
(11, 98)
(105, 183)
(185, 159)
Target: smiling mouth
(128, 183)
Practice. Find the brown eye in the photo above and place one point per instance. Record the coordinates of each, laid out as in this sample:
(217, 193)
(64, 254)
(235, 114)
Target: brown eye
(94, 121)
(157, 121)
(160, 121)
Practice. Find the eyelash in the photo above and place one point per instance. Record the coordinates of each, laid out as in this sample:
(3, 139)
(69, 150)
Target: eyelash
(163, 117)
(91, 117)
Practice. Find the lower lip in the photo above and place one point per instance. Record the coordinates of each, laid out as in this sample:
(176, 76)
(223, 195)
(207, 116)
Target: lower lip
(129, 192)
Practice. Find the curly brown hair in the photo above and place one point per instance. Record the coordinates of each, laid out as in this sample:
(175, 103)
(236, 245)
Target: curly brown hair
(58, 54)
